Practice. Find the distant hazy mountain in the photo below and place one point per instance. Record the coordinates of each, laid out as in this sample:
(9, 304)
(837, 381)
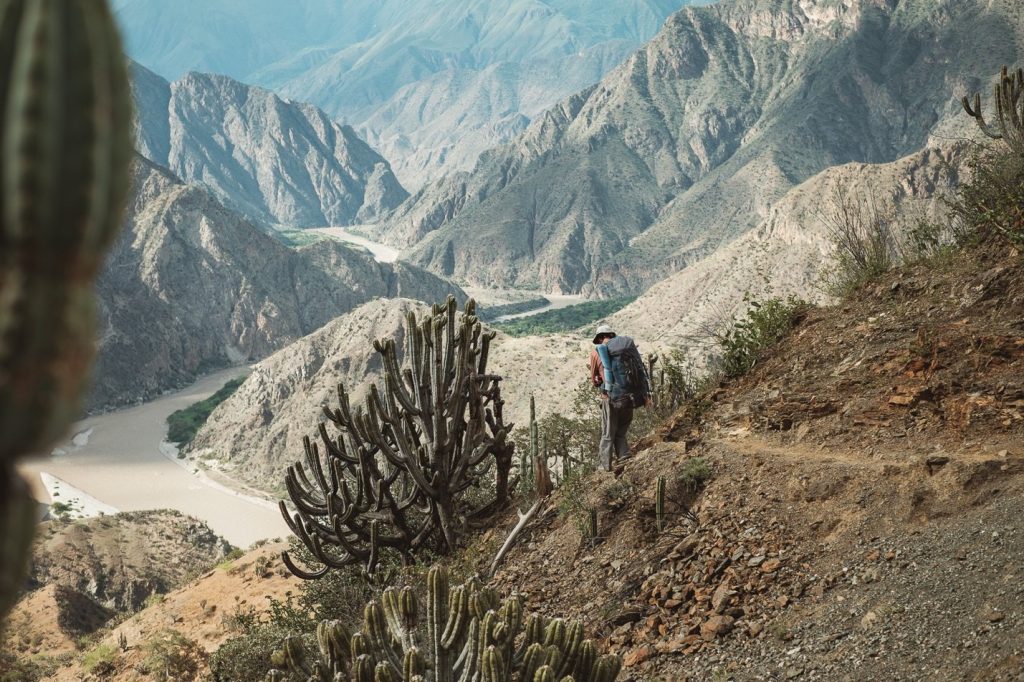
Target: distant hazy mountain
(429, 83)
(272, 160)
(191, 285)
(694, 138)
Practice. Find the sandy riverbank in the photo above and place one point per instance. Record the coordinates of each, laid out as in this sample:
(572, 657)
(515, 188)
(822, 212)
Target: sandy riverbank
(381, 252)
(122, 463)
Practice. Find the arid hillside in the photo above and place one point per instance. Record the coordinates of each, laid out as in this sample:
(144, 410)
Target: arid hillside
(861, 516)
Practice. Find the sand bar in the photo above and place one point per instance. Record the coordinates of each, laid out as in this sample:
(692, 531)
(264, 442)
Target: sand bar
(122, 463)
(381, 252)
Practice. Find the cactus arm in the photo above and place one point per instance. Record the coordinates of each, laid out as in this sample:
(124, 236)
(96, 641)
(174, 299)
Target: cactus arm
(1008, 95)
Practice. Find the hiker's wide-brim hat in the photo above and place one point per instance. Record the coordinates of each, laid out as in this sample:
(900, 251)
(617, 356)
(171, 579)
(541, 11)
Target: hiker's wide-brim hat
(603, 330)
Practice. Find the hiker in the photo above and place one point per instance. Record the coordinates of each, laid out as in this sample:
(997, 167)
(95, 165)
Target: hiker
(618, 372)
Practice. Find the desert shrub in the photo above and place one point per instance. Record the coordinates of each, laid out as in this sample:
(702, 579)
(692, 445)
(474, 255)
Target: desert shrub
(34, 669)
(171, 655)
(340, 594)
(694, 475)
(990, 204)
(865, 240)
(262, 566)
(246, 657)
(765, 323)
(100, 661)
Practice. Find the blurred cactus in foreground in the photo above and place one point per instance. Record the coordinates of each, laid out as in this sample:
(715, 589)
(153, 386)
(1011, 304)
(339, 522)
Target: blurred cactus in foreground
(1009, 100)
(469, 634)
(65, 150)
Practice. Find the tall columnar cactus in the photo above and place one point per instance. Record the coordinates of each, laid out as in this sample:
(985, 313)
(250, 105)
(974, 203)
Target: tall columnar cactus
(65, 149)
(1009, 100)
(393, 477)
(540, 473)
(659, 503)
(469, 634)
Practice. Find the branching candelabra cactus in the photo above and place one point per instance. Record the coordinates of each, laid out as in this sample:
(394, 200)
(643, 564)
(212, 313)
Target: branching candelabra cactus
(393, 477)
(1009, 102)
(65, 149)
(469, 634)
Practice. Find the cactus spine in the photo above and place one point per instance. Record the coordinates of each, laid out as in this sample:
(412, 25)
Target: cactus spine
(393, 477)
(659, 503)
(1009, 99)
(470, 634)
(65, 149)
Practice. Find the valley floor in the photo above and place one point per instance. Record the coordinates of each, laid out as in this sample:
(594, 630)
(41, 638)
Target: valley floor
(124, 463)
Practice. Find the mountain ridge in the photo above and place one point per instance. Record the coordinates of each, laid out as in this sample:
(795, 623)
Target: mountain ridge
(191, 285)
(689, 143)
(275, 161)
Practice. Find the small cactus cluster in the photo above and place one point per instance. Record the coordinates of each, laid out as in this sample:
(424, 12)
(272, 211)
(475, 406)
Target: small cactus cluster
(65, 151)
(392, 477)
(1008, 96)
(470, 634)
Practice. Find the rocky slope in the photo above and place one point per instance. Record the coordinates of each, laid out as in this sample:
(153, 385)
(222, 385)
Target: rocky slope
(430, 84)
(860, 517)
(692, 141)
(202, 611)
(788, 252)
(122, 559)
(191, 285)
(273, 160)
(258, 431)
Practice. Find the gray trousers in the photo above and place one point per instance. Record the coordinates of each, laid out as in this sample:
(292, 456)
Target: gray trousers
(614, 427)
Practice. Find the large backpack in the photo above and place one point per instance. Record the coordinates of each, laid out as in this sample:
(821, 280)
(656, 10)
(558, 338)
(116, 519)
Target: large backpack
(628, 383)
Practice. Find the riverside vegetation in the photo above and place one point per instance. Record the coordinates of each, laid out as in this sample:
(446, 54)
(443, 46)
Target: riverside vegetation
(182, 425)
(564, 319)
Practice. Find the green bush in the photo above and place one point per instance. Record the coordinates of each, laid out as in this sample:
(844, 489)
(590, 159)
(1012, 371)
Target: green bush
(764, 325)
(170, 655)
(183, 425)
(694, 475)
(101, 661)
(563, 319)
(247, 657)
(990, 204)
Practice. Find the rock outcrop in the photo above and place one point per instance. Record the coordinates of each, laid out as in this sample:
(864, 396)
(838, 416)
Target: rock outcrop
(273, 160)
(119, 561)
(191, 285)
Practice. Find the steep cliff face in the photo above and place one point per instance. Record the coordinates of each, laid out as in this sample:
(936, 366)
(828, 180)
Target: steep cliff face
(191, 285)
(272, 160)
(257, 433)
(694, 138)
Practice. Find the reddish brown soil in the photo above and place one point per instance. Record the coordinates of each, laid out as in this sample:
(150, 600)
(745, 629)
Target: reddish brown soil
(861, 459)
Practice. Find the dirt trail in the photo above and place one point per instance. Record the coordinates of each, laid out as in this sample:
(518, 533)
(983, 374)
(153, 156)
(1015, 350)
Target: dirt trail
(862, 516)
